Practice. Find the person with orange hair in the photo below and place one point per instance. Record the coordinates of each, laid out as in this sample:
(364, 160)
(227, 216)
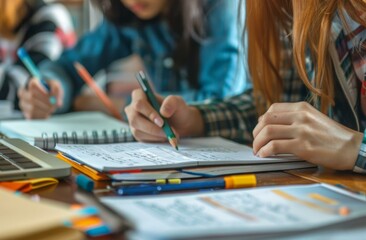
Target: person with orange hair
(307, 61)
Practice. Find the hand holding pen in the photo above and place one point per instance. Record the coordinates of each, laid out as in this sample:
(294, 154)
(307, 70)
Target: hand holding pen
(40, 98)
(145, 86)
(147, 123)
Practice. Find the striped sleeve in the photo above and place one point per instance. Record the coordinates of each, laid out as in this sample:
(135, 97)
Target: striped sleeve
(44, 36)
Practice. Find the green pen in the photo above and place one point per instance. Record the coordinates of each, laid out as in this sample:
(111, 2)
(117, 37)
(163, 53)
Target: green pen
(141, 78)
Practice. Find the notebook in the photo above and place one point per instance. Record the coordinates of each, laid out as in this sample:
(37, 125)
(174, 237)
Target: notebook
(20, 160)
(193, 152)
(22, 218)
(246, 213)
(213, 171)
(72, 128)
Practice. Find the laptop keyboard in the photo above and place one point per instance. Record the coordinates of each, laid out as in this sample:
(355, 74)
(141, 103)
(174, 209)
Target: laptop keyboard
(10, 160)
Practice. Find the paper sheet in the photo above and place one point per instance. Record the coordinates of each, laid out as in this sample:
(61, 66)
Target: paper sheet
(243, 212)
(192, 152)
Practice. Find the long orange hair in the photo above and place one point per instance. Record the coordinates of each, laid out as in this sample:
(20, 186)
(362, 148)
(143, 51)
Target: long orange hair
(307, 24)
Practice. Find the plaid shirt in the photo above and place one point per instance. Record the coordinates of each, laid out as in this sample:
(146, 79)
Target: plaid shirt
(236, 117)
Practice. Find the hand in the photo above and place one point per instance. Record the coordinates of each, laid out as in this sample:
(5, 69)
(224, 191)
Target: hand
(146, 124)
(34, 101)
(300, 129)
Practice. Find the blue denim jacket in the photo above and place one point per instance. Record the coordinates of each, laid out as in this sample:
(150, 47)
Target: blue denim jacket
(221, 70)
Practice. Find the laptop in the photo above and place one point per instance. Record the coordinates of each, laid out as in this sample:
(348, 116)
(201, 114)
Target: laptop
(20, 160)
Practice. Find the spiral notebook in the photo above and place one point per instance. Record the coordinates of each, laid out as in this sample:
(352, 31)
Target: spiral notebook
(70, 128)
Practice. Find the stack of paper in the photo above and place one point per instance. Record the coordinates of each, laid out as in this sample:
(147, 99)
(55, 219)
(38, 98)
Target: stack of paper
(195, 152)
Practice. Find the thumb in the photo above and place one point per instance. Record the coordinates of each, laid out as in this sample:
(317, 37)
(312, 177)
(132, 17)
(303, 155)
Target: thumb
(57, 91)
(170, 106)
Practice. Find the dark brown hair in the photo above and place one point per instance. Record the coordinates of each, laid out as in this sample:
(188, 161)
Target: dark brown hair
(186, 22)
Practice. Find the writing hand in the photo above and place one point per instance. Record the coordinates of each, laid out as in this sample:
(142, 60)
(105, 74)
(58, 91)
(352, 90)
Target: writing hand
(34, 101)
(300, 129)
(146, 124)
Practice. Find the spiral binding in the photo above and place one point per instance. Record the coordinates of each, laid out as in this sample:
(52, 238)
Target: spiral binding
(85, 137)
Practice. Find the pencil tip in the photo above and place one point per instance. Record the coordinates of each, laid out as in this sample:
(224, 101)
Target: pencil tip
(174, 143)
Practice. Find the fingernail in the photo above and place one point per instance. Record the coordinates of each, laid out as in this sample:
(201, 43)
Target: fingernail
(159, 122)
(166, 109)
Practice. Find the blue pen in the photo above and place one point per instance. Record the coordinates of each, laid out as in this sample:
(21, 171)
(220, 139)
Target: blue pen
(25, 58)
(155, 189)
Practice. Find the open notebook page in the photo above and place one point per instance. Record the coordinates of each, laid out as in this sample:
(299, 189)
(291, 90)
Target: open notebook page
(192, 152)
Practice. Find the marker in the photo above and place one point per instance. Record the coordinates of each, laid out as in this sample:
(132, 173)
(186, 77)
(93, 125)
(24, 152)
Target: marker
(25, 58)
(141, 78)
(84, 74)
(238, 181)
(85, 182)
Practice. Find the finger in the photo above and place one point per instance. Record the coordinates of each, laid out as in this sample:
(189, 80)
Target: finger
(37, 99)
(57, 92)
(36, 91)
(33, 113)
(272, 118)
(145, 137)
(273, 132)
(140, 123)
(36, 109)
(289, 107)
(141, 105)
(280, 146)
(36, 85)
(170, 105)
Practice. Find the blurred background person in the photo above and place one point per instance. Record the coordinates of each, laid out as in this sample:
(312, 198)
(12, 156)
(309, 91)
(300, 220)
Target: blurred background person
(44, 30)
(189, 48)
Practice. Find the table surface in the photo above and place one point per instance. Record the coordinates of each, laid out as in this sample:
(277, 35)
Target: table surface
(66, 188)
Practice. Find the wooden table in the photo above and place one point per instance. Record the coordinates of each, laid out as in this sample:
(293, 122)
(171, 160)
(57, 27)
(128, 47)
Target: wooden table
(66, 189)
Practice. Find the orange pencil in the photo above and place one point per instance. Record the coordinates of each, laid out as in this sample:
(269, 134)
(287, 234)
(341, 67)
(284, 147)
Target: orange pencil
(88, 79)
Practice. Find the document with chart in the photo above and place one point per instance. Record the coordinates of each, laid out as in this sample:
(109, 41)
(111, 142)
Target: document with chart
(247, 212)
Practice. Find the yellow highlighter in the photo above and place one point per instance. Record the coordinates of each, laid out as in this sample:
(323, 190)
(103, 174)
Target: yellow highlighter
(240, 181)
